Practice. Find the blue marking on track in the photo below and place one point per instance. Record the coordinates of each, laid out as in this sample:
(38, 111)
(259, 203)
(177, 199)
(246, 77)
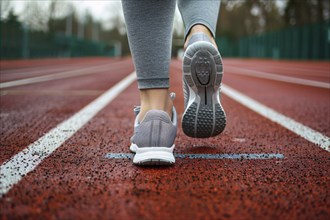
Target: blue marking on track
(205, 156)
(119, 156)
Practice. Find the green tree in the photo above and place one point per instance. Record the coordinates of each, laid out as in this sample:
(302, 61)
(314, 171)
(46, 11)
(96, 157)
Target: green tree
(239, 18)
(301, 12)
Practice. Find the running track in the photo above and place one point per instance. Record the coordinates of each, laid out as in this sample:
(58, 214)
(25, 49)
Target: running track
(63, 160)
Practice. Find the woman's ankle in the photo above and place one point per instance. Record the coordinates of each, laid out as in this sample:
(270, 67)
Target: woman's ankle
(198, 28)
(155, 99)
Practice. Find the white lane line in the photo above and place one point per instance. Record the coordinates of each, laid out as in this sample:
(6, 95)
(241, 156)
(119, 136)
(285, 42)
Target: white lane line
(13, 170)
(206, 156)
(52, 92)
(43, 72)
(53, 67)
(19, 72)
(304, 131)
(292, 125)
(276, 77)
(292, 69)
(54, 76)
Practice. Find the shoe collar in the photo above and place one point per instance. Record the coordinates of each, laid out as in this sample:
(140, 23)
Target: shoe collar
(174, 118)
(199, 36)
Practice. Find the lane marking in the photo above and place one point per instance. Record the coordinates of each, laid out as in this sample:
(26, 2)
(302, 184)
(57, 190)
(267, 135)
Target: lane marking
(13, 170)
(37, 69)
(52, 92)
(61, 75)
(276, 77)
(205, 156)
(19, 72)
(306, 70)
(306, 132)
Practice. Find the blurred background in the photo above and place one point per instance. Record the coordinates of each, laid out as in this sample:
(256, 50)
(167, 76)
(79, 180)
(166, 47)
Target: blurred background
(276, 29)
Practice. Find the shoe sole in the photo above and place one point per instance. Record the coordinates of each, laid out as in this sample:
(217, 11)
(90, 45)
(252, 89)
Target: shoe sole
(202, 73)
(153, 156)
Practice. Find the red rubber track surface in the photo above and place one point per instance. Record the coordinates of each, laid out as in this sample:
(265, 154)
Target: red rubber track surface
(8, 74)
(46, 104)
(78, 182)
(314, 70)
(18, 64)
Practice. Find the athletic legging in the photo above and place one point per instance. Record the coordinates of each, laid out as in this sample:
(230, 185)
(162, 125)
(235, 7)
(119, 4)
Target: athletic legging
(149, 29)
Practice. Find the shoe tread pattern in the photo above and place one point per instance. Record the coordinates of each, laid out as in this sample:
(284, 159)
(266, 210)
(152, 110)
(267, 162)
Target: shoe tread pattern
(188, 121)
(203, 120)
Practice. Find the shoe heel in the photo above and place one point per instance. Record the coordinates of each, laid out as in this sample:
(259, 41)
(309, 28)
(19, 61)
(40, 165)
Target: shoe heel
(150, 156)
(202, 70)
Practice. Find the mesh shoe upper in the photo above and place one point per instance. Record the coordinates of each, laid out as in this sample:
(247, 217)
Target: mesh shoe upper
(156, 129)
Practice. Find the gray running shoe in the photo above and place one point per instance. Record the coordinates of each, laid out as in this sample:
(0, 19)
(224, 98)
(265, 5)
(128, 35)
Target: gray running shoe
(202, 74)
(153, 139)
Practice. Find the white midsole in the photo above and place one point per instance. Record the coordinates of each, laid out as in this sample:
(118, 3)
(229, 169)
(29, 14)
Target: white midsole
(134, 148)
(153, 153)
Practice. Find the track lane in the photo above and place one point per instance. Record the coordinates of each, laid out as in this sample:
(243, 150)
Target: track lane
(278, 77)
(63, 75)
(291, 68)
(72, 83)
(16, 74)
(26, 117)
(17, 65)
(13, 170)
(307, 105)
(78, 176)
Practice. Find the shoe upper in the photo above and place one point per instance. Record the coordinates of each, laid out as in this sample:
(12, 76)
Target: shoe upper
(156, 129)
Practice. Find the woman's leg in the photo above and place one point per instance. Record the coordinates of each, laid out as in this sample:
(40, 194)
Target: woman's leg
(199, 16)
(149, 28)
(202, 70)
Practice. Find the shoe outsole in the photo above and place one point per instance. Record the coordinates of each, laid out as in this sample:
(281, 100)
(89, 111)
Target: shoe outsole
(154, 162)
(202, 71)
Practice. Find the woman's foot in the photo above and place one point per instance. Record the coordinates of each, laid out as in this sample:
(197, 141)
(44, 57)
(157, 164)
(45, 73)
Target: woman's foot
(154, 135)
(202, 75)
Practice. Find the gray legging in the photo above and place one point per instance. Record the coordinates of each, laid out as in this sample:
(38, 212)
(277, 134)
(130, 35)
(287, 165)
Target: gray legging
(149, 29)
